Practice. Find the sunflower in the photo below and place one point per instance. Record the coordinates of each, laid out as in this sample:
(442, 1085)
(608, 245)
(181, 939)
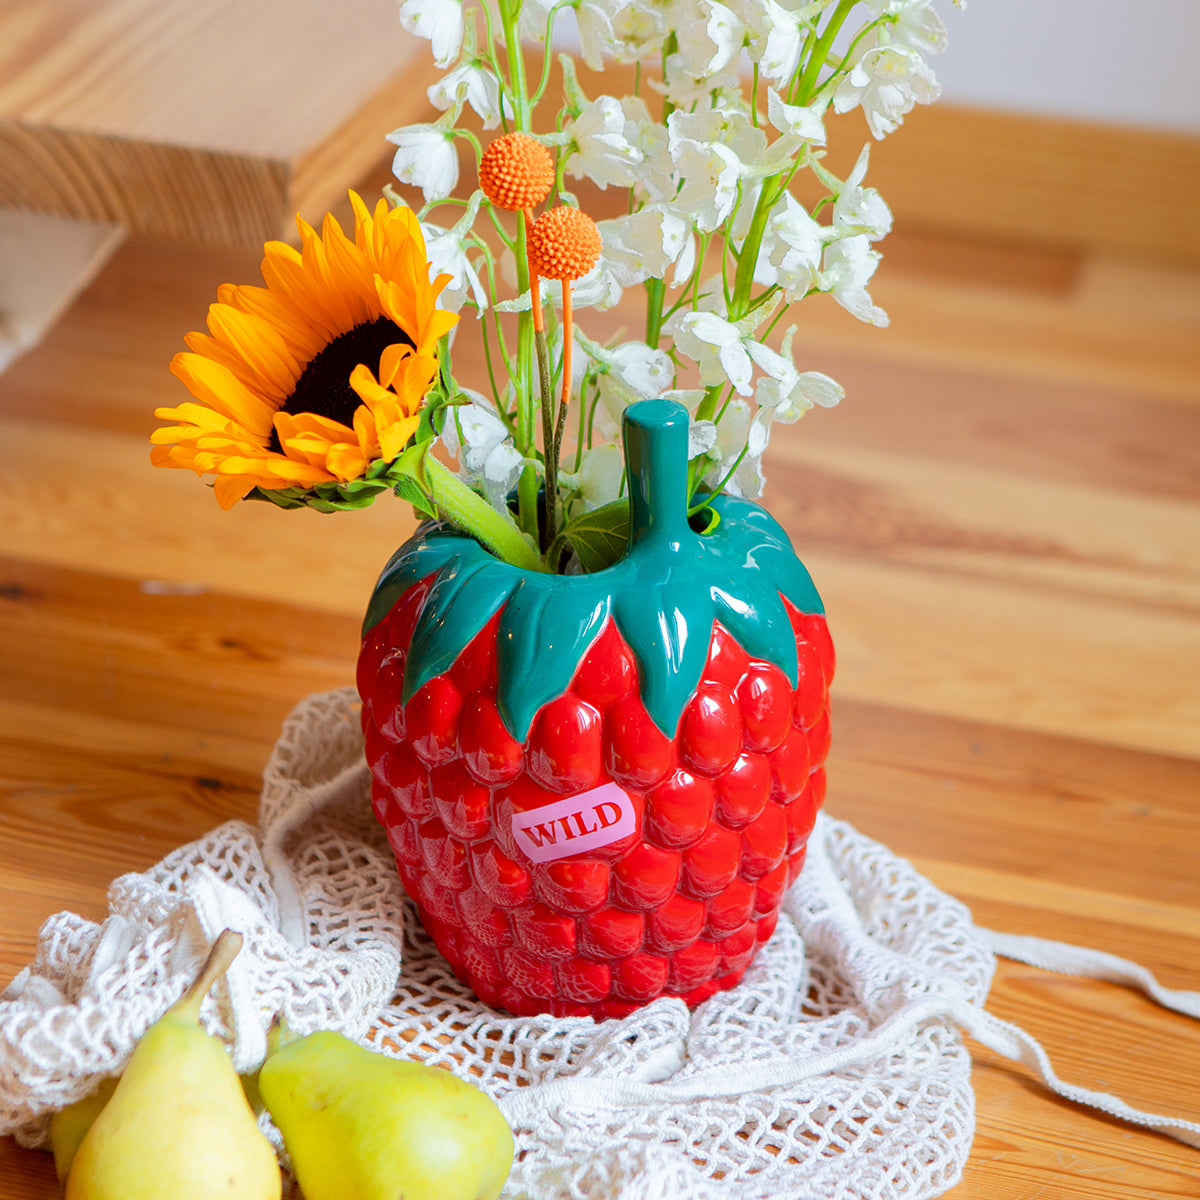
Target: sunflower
(311, 379)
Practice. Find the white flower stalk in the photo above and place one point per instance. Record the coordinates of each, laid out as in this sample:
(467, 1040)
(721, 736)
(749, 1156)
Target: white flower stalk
(887, 81)
(471, 83)
(476, 436)
(425, 157)
(439, 22)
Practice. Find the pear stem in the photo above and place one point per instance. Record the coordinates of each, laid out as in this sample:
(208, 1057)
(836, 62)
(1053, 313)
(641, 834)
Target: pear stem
(279, 1035)
(224, 951)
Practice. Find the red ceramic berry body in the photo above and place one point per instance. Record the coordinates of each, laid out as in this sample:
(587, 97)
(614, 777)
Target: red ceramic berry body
(677, 907)
(598, 787)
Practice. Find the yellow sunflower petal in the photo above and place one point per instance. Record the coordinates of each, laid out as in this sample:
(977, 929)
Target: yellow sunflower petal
(215, 385)
(229, 489)
(347, 461)
(258, 344)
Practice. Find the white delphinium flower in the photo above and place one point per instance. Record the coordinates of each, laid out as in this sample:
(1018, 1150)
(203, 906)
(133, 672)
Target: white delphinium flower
(641, 27)
(910, 23)
(448, 254)
(739, 429)
(532, 22)
(425, 157)
(440, 22)
(848, 266)
(709, 36)
(776, 35)
(887, 81)
(728, 127)
(645, 244)
(654, 179)
(473, 83)
(710, 151)
(786, 394)
(802, 121)
(600, 148)
(599, 288)
(858, 209)
(598, 480)
(790, 254)
(710, 174)
(597, 41)
(685, 89)
(718, 347)
(475, 435)
(632, 371)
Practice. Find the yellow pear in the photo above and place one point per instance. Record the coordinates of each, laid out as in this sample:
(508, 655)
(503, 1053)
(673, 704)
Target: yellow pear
(358, 1124)
(178, 1125)
(68, 1125)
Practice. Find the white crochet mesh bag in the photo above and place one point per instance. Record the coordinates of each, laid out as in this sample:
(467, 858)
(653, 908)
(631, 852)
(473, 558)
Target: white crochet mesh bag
(835, 1071)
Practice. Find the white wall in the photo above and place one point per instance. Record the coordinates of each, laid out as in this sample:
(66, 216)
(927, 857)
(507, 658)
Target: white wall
(1129, 62)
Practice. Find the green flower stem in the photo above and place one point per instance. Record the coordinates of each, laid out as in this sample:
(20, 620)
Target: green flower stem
(467, 510)
(655, 291)
(527, 486)
(806, 87)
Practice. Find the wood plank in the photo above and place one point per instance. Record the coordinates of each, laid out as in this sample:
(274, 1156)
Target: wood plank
(174, 533)
(213, 122)
(1070, 184)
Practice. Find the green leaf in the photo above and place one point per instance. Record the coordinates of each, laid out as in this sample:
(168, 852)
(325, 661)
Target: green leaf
(410, 490)
(599, 537)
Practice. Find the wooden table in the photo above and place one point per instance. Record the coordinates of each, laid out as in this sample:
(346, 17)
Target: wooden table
(1002, 517)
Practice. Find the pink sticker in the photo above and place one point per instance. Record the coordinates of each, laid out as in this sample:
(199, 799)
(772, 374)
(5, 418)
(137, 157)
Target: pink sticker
(572, 826)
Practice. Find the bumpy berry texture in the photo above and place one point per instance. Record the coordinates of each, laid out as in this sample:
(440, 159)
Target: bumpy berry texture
(678, 905)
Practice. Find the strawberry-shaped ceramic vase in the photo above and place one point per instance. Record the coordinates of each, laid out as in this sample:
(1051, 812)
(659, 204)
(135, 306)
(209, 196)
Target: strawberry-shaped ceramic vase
(598, 787)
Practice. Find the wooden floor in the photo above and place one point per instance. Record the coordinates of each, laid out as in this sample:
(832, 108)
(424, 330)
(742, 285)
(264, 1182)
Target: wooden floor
(1002, 517)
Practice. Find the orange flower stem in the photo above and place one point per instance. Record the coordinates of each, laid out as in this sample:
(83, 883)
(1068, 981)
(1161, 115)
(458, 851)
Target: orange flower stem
(568, 339)
(535, 282)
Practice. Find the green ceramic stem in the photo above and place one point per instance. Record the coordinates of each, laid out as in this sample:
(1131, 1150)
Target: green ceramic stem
(656, 444)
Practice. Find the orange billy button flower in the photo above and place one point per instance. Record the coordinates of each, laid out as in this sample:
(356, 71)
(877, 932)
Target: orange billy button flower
(516, 172)
(564, 244)
(309, 380)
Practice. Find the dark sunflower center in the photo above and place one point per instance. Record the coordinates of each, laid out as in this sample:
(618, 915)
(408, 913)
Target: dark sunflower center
(324, 387)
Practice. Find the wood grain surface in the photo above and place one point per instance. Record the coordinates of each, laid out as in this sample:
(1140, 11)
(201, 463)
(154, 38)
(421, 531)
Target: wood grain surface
(1002, 517)
(214, 122)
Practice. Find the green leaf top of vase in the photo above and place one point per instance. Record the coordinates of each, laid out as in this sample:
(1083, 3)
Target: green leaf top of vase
(664, 594)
